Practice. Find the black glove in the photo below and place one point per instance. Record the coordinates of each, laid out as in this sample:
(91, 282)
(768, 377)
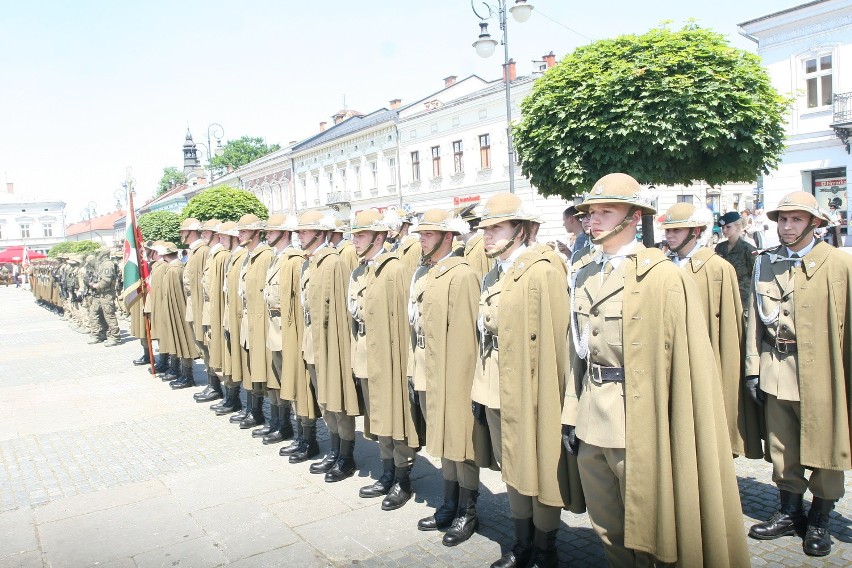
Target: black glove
(478, 410)
(569, 440)
(228, 339)
(752, 387)
(412, 394)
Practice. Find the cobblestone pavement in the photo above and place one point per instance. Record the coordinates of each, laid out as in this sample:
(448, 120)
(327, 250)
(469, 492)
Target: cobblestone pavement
(102, 465)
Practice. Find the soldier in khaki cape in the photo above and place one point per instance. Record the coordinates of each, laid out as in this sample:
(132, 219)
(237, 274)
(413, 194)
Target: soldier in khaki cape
(326, 342)
(473, 249)
(279, 233)
(405, 245)
(158, 271)
(176, 337)
(212, 282)
(519, 381)
(102, 320)
(230, 358)
(344, 245)
(643, 401)
(797, 364)
(255, 318)
(687, 230)
(443, 306)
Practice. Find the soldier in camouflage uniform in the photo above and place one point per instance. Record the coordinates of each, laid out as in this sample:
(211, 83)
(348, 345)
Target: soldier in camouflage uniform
(738, 252)
(102, 286)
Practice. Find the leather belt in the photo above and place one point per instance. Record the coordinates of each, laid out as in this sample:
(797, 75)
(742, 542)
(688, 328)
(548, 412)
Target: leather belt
(602, 374)
(421, 341)
(275, 313)
(491, 339)
(362, 328)
(785, 346)
(307, 317)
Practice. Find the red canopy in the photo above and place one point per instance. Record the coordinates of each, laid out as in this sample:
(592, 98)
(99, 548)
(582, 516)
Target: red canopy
(16, 255)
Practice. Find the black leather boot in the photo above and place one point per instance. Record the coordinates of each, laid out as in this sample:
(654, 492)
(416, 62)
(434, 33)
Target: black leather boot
(817, 538)
(294, 445)
(172, 372)
(285, 427)
(444, 514)
(214, 390)
(522, 550)
(382, 485)
(246, 410)
(400, 493)
(787, 521)
(308, 447)
(544, 550)
(207, 388)
(145, 359)
(255, 417)
(185, 379)
(466, 523)
(271, 424)
(232, 402)
(344, 467)
(327, 461)
(161, 364)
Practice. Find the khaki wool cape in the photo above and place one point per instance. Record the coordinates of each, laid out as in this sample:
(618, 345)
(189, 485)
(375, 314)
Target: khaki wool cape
(388, 340)
(474, 253)
(235, 365)
(137, 319)
(348, 254)
(193, 273)
(214, 308)
(409, 252)
(723, 315)
(533, 332)
(448, 321)
(823, 311)
(158, 272)
(255, 320)
(177, 338)
(682, 503)
(328, 279)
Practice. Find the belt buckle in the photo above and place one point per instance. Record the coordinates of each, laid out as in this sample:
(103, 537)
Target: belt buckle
(782, 346)
(362, 329)
(421, 341)
(307, 318)
(595, 374)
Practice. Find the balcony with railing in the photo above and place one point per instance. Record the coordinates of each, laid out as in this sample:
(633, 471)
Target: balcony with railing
(333, 197)
(842, 117)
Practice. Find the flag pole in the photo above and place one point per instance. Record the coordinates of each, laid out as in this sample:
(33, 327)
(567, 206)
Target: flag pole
(144, 292)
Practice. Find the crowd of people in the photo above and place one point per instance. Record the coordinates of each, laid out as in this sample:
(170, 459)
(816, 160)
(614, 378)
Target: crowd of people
(601, 376)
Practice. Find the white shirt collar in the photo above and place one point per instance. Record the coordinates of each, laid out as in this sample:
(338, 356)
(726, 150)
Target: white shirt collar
(617, 257)
(804, 251)
(507, 264)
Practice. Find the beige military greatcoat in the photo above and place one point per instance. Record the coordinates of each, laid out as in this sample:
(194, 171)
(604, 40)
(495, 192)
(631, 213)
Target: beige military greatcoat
(255, 320)
(193, 273)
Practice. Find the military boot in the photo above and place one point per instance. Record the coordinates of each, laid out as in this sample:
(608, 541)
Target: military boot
(400, 493)
(328, 459)
(544, 550)
(255, 416)
(817, 538)
(96, 339)
(308, 447)
(185, 379)
(344, 467)
(246, 410)
(214, 389)
(523, 548)
(145, 359)
(161, 364)
(285, 427)
(787, 521)
(172, 372)
(232, 402)
(112, 342)
(444, 514)
(272, 424)
(295, 444)
(382, 485)
(466, 523)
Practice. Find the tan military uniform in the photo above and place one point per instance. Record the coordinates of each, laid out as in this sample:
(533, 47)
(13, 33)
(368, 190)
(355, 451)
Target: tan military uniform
(255, 319)
(235, 366)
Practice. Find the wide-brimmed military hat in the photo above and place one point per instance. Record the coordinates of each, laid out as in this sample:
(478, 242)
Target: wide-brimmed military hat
(444, 221)
(369, 220)
(281, 222)
(728, 218)
(798, 201)
(616, 188)
(316, 221)
(228, 228)
(340, 226)
(249, 222)
(164, 248)
(210, 225)
(503, 207)
(470, 212)
(684, 216)
(190, 224)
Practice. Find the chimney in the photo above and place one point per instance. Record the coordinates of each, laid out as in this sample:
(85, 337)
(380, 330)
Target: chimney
(394, 104)
(338, 118)
(549, 60)
(450, 81)
(512, 73)
(322, 126)
(10, 187)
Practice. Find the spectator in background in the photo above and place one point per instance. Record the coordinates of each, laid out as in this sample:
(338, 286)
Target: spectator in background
(737, 251)
(760, 224)
(577, 234)
(835, 221)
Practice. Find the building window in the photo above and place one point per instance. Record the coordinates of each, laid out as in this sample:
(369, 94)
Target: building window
(1, 232)
(436, 161)
(342, 173)
(392, 171)
(330, 176)
(48, 229)
(415, 166)
(458, 157)
(374, 174)
(25, 230)
(818, 77)
(485, 151)
(357, 171)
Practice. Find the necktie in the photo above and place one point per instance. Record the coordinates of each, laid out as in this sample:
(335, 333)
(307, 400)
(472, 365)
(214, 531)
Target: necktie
(794, 260)
(607, 269)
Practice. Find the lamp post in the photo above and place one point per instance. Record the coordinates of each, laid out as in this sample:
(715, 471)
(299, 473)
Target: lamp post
(485, 47)
(218, 132)
(87, 213)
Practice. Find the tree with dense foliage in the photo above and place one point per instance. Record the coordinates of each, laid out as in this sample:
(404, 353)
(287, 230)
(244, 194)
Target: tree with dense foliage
(224, 203)
(667, 107)
(72, 247)
(160, 226)
(171, 177)
(240, 152)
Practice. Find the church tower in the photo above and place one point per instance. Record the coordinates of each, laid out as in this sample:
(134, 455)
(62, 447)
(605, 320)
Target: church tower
(190, 155)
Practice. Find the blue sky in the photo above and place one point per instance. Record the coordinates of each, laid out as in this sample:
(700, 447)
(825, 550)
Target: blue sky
(88, 88)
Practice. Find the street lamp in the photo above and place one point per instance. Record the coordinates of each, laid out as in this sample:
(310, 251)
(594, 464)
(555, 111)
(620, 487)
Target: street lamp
(485, 47)
(218, 132)
(87, 213)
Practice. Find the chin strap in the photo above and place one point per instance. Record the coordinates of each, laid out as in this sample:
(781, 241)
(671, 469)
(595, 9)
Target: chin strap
(508, 245)
(676, 250)
(809, 230)
(427, 258)
(367, 250)
(312, 241)
(275, 242)
(618, 228)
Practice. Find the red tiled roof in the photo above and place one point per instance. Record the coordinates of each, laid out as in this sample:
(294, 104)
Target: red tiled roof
(99, 223)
